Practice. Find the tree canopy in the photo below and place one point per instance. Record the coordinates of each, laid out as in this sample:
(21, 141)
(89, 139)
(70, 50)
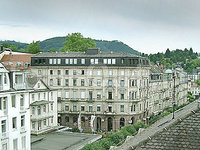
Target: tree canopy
(33, 48)
(75, 42)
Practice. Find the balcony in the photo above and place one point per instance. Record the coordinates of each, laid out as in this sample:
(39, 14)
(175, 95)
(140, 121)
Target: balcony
(22, 129)
(89, 100)
(19, 85)
(41, 116)
(4, 135)
(109, 113)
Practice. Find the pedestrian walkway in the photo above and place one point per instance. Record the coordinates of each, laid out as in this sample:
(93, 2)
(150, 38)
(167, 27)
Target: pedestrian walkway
(159, 126)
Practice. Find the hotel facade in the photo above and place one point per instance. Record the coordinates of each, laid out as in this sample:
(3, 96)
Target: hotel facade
(116, 87)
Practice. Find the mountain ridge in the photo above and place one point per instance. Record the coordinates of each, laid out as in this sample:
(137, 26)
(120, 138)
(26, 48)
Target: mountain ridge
(57, 42)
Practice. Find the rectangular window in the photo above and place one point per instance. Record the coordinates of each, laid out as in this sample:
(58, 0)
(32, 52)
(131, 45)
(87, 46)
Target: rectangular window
(74, 95)
(74, 82)
(54, 61)
(109, 108)
(74, 72)
(74, 107)
(39, 72)
(59, 94)
(109, 61)
(66, 107)
(51, 72)
(82, 94)
(59, 72)
(98, 82)
(52, 120)
(96, 61)
(14, 101)
(66, 72)
(23, 139)
(51, 95)
(110, 72)
(66, 82)
(121, 82)
(22, 121)
(71, 61)
(113, 61)
(82, 82)
(51, 106)
(82, 72)
(44, 108)
(3, 126)
(66, 94)
(122, 108)
(122, 96)
(14, 122)
(66, 61)
(82, 61)
(98, 72)
(90, 82)
(15, 144)
(39, 110)
(109, 95)
(59, 82)
(98, 107)
(90, 72)
(122, 72)
(90, 95)
(109, 82)
(105, 61)
(122, 61)
(51, 82)
(21, 100)
(44, 122)
(82, 108)
(75, 61)
(50, 61)
(33, 110)
(90, 108)
(98, 95)
(92, 61)
(59, 61)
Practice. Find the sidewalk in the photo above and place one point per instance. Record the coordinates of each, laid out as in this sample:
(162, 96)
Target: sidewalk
(158, 126)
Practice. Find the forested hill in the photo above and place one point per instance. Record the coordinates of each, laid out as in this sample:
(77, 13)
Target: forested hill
(57, 42)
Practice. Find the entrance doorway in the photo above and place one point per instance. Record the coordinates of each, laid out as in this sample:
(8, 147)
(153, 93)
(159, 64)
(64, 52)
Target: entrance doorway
(110, 124)
(132, 120)
(98, 123)
(122, 122)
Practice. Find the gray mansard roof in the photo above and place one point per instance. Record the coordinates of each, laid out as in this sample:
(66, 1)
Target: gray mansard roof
(84, 54)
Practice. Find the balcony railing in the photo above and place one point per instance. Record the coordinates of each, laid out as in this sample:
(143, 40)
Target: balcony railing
(4, 135)
(19, 85)
(42, 116)
(22, 129)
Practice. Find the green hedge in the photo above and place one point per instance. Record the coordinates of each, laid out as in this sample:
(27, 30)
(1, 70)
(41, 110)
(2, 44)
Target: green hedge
(113, 138)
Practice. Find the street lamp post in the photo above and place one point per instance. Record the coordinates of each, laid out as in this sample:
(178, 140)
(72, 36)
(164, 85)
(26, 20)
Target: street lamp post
(174, 94)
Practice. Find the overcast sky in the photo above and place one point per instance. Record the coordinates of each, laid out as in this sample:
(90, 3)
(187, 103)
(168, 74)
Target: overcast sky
(149, 26)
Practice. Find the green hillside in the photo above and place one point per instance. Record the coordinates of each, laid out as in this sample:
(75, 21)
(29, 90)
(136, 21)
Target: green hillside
(56, 43)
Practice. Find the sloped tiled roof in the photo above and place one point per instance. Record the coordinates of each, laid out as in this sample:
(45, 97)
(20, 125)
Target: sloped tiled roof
(22, 58)
(184, 135)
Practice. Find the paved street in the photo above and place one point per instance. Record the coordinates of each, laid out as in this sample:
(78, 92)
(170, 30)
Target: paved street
(158, 126)
(62, 141)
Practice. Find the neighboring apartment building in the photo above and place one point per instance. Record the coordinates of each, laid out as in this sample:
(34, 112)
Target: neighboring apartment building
(14, 111)
(162, 89)
(114, 86)
(43, 107)
(43, 100)
(194, 88)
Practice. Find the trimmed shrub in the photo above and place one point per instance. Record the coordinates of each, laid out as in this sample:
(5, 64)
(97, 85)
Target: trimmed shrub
(87, 131)
(75, 129)
(115, 137)
(138, 125)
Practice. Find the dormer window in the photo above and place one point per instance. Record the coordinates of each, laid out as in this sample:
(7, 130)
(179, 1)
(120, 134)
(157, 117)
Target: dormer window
(26, 64)
(18, 64)
(10, 63)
